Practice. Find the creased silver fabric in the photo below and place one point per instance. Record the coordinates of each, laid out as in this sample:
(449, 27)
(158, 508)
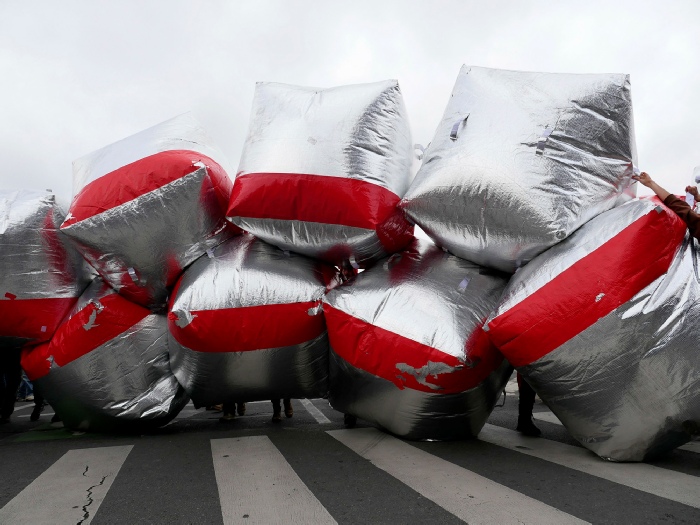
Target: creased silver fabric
(628, 386)
(351, 133)
(37, 264)
(422, 296)
(226, 307)
(141, 246)
(521, 160)
(124, 384)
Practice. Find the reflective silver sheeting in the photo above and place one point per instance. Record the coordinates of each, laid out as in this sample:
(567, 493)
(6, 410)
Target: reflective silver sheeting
(41, 273)
(323, 169)
(407, 349)
(148, 206)
(626, 384)
(125, 383)
(247, 324)
(521, 160)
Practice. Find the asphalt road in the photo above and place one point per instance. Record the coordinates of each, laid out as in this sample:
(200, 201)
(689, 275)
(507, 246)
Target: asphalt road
(309, 469)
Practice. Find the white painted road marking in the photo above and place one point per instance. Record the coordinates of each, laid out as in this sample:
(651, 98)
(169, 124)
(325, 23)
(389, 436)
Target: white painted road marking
(549, 417)
(668, 484)
(467, 495)
(315, 412)
(258, 486)
(70, 491)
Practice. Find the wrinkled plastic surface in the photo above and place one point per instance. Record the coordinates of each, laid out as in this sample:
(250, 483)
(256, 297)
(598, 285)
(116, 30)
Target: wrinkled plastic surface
(521, 160)
(41, 273)
(148, 206)
(604, 327)
(322, 171)
(407, 349)
(106, 368)
(247, 324)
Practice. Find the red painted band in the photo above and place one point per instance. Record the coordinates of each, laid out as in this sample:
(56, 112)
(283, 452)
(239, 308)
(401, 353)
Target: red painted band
(73, 340)
(249, 328)
(390, 356)
(322, 199)
(590, 289)
(25, 318)
(145, 175)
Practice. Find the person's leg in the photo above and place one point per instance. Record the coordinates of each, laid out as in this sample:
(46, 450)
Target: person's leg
(38, 406)
(525, 405)
(288, 410)
(229, 412)
(276, 411)
(241, 408)
(12, 378)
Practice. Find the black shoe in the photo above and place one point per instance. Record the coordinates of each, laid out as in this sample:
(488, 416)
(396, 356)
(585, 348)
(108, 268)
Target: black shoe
(36, 412)
(56, 418)
(276, 417)
(349, 420)
(227, 417)
(241, 408)
(527, 427)
(288, 410)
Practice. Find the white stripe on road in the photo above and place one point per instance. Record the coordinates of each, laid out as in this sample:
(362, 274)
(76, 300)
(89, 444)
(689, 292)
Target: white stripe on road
(467, 495)
(258, 486)
(549, 417)
(661, 482)
(315, 412)
(70, 491)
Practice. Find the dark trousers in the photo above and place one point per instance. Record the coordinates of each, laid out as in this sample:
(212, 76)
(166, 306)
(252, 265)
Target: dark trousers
(10, 378)
(527, 398)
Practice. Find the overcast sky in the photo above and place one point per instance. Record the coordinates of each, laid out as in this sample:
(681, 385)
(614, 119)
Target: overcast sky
(76, 76)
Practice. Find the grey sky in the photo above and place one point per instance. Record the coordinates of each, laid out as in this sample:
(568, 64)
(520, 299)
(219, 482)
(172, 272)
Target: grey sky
(77, 76)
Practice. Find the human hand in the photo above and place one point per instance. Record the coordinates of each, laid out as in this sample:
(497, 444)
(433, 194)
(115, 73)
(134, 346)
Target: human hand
(693, 190)
(644, 179)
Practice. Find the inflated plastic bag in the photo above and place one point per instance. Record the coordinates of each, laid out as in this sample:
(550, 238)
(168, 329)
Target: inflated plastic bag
(521, 160)
(107, 368)
(407, 349)
(604, 326)
(148, 206)
(322, 171)
(247, 324)
(41, 273)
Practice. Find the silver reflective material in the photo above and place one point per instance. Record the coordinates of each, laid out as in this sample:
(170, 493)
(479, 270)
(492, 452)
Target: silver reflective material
(125, 383)
(245, 324)
(407, 349)
(149, 225)
(539, 155)
(335, 163)
(41, 273)
(626, 387)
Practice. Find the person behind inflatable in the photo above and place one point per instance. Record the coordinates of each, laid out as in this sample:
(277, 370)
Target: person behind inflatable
(680, 207)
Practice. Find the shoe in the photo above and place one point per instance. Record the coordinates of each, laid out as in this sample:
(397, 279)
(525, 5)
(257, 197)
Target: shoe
(241, 408)
(349, 420)
(288, 410)
(227, 417)
(276, 417)
(36, 412)
(56, 419)
(527, 427)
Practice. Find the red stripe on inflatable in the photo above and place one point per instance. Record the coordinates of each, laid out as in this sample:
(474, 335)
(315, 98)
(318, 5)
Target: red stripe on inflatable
(249, 328)
(84, 332)
(311, 198)
(145, 175)
(401, 360)
(590, 289)
(25, 317)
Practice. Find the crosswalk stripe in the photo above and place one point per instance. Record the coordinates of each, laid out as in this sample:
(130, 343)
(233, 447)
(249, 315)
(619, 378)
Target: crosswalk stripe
(467, 495)
(668, 484)
(549, 417)
(70, 491)
(315, 412)
(258, 486)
